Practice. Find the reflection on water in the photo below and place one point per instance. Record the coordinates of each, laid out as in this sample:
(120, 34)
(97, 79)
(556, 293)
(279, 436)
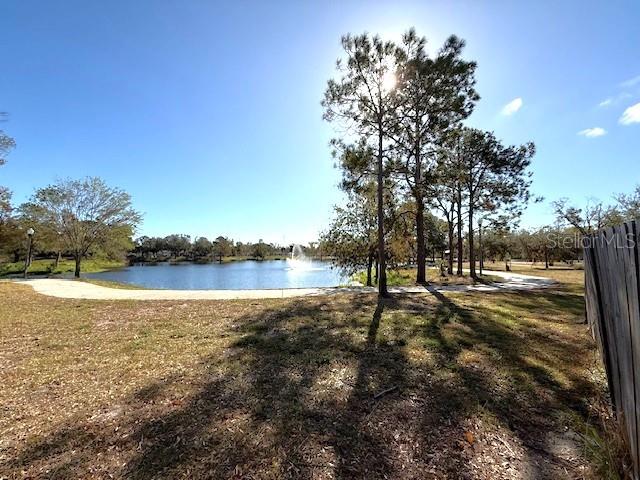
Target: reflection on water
(300, 266)
(290, 273)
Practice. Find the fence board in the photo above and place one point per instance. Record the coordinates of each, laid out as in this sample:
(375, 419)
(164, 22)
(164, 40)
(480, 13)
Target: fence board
(608, 314)
(633, 294)
(612, 291)
(620, 288)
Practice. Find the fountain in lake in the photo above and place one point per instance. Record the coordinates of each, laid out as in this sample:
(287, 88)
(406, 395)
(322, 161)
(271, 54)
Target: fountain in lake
(298, 260)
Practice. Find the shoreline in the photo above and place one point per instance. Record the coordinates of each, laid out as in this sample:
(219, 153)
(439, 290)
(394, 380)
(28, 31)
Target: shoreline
(62, 288)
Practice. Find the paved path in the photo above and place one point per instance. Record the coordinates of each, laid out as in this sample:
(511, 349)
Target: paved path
(73, 289)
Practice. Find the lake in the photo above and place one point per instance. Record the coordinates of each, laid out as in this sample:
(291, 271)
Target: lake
(240, 275)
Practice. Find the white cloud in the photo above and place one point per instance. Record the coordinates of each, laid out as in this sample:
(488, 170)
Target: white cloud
(593, 132)
(631, 82)
(512, 107)
(631, 115)
(615, 100)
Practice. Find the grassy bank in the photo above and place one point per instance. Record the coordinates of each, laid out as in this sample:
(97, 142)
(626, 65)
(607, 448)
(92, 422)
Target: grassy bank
(473, 385)
(111, 284)
(47, 267)
(403, 277)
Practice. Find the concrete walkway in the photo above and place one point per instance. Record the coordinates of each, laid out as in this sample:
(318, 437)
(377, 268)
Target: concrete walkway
(81, 290)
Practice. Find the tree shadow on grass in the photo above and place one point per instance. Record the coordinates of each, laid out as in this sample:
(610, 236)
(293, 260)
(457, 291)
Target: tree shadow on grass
(528, 392)
(291, 398)
(564, 302)
(296, 394)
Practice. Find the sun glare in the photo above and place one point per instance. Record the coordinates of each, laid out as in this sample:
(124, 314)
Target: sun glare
(388, 81)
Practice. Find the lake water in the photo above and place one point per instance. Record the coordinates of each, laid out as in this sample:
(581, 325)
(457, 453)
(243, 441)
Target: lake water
(228, 276)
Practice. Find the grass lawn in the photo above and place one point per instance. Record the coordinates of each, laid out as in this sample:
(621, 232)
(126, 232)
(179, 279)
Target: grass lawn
(402, 277)
(46, 267)
(571, 277)
(458, 386)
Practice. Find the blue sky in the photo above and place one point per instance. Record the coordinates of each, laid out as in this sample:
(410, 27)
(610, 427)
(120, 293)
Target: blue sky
(209, 113)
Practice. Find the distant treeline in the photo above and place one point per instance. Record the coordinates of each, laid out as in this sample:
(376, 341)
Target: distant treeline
(178, 247)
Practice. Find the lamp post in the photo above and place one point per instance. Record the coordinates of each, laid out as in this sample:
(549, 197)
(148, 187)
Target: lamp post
(27, 261)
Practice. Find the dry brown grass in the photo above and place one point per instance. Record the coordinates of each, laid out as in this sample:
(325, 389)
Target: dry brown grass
(483, 386)
(404, 276)
(566, 274)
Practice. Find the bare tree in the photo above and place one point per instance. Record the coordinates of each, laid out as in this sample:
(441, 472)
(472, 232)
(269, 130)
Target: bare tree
(629, 204)
(594, 216)
(6, 142)
(86, 213)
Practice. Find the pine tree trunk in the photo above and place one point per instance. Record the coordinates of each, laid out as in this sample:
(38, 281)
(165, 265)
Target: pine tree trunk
(450, 259)
(375, 271)
(421, 277)
(369, 267)
(382, 273)
(460, 246)
(546, 258)
(472, 253)
(481, 248)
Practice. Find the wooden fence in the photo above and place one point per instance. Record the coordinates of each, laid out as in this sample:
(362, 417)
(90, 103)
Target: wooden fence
(612, 292)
